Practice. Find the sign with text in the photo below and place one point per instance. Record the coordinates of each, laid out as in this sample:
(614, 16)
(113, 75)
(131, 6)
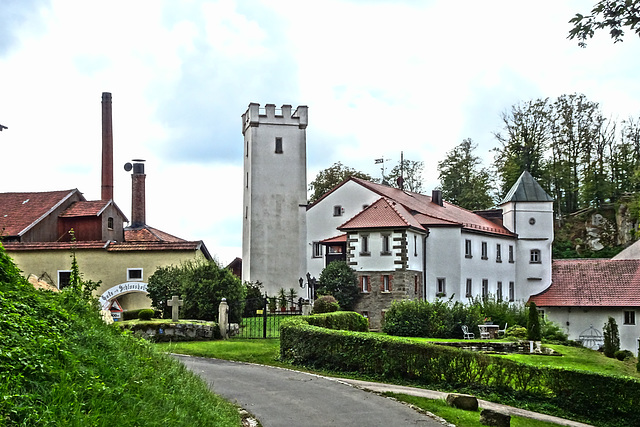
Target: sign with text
(123, 288)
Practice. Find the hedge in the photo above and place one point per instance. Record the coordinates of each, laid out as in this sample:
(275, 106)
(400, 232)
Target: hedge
(345, 320)
(614, 400)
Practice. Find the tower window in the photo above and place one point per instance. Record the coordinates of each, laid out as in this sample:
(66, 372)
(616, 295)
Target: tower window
(278, 145)
(441, 287)
(535, 256)
(469, 288)
(317, 250)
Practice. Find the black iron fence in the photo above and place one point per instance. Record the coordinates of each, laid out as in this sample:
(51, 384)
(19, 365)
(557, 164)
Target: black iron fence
(262, 319)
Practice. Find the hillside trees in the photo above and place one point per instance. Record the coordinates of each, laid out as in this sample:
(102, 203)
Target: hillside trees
(328, 178)
(462, 179)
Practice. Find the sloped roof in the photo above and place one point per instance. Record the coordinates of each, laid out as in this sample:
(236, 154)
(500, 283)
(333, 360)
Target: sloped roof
(383, 213)
(592, 283)
(148, 234)
(89, 208)
(337, 239)
(427, 213)
(526, 189)
(21, 211)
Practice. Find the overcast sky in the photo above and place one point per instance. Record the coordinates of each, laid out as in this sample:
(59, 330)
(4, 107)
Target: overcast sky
(378, 77)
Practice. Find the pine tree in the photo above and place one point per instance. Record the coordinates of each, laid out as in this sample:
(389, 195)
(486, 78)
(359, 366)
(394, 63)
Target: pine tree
(611, 338)
(533, 323)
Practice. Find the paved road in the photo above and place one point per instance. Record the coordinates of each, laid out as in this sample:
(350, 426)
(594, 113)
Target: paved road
(280, 397)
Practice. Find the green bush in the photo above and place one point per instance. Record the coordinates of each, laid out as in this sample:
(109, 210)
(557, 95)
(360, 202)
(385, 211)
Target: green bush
(611, 338)
(607, 399)
(516, 331)
(551, 331)
(325, 304)
(534, 331)
(145, 314)
(340, 281)
(343, 320)
(623, 355)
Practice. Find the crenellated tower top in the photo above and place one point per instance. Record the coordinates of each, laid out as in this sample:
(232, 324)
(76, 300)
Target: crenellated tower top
(256, 116)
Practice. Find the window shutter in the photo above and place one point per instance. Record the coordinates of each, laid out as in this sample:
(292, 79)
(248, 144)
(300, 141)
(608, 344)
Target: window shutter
(390, 280)
(381, 283)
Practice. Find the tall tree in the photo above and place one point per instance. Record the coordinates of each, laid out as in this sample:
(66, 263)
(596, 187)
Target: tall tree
(610, 14)
(410, 171)
(523, 143)
(330, 177)
(462, 179)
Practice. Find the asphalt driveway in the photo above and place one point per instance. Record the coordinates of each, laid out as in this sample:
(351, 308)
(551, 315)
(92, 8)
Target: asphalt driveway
(280, 397)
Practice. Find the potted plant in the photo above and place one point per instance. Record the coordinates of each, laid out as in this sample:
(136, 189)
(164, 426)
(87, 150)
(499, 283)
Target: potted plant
(292, 298)
(272, 304)
(282, 299)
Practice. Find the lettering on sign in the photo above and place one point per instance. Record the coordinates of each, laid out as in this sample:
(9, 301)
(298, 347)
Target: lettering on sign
(123, 288)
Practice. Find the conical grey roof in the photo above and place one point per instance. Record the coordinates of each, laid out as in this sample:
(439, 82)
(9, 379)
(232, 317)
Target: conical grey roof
(526, 189)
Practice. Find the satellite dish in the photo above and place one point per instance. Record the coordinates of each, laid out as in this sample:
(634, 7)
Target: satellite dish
(128, 166)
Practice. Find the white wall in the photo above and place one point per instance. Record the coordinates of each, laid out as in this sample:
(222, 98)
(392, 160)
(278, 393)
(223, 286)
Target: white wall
(575, 320)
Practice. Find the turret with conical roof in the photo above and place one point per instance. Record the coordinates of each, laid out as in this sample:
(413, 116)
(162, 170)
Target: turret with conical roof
(528, 212)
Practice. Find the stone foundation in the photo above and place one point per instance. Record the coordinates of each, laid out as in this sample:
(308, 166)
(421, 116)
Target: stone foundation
(169, 331)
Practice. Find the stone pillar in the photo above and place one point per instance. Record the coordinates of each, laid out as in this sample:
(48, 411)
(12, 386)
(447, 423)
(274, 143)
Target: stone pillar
(223, 318)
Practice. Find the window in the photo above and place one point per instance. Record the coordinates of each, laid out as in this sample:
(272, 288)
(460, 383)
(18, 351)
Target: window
(365, 285)
(365, 314)
(364, 245)
(485, 288)
(110, 223)
(317, 250)
(499, 291)
(629, 317)
(469, 289)
(512, 291)
(441, 287)
(535, 256)
(484, 251)
(64, 277)
(337, 210)
(467, 248)
(498, 253)
(415, 284)
(510, 253)
(415, 245)
(247, 181)
(386, 283)
(386, 246)
(278, 145)
(134, 274)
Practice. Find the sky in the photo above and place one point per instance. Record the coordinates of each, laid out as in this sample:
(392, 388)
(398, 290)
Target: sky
(379, 77)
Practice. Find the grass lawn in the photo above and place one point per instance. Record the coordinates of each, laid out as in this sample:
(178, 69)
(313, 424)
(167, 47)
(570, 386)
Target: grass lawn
(459, 417)
(262, 351)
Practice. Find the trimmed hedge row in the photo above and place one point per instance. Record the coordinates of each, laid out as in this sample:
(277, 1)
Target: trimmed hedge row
(613, 400)
(344, 320)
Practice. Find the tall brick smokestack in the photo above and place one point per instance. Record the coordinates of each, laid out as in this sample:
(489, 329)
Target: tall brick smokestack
(138, 202)
(107, 148)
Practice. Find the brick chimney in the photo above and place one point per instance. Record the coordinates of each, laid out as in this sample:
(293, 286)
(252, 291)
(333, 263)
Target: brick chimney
(107, 148)
(138, 209)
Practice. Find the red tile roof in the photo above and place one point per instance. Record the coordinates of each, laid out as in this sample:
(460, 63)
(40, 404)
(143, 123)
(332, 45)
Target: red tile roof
(338, 239)
(109, 246)
(89, 208)
(21, 211)
(592, 282)
(148, 234)
(428, 213)
(42, 246)
(383, 213)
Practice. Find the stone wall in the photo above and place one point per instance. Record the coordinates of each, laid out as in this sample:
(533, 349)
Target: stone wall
(168, 331)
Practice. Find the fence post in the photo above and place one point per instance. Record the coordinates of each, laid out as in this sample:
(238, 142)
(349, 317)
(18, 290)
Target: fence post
(223, 318)
(264, 316)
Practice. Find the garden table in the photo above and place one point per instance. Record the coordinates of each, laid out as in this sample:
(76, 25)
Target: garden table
(488, 332)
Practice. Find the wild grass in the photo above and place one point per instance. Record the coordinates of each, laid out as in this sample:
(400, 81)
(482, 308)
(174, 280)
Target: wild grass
(61, 365)
(461, 417)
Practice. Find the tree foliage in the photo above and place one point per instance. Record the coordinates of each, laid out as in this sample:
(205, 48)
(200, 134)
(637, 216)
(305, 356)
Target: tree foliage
(463, 181)
(330, 177)
(407, 174)
(534, 330)
(340, 281)
(613, 15)
(611, 338)
(202, 285)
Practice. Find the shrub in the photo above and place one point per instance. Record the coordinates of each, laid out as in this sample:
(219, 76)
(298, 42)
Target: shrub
(623, 355)
(533, 324)
(611, 338)
(339, 280)
(343, 320)
(325, 304)
(145, 314)
(551, 331)
(516, 331)
(130, 314)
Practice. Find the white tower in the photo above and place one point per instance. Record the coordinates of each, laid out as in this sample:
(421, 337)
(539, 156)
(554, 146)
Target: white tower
(274, 228)
(528, 212)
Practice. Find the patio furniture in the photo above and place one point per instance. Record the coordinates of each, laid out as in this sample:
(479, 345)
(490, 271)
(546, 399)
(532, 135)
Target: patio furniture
(503, 331)
(488, 331)
(467, 335)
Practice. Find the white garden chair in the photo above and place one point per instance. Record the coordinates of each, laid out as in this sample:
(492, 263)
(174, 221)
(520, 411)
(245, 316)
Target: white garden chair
(467, 335)
(503, 331)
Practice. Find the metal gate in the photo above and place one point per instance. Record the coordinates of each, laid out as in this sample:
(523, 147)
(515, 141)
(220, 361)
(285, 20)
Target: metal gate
(262, 320)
